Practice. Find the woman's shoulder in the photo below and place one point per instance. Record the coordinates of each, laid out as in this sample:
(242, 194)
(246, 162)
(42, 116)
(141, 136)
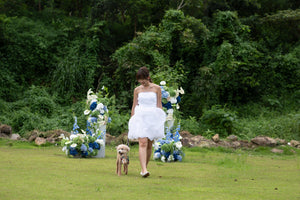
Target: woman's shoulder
(138, 89)
(157, 87)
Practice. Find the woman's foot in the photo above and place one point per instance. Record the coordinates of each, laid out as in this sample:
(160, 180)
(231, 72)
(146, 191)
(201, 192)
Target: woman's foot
(146, 174)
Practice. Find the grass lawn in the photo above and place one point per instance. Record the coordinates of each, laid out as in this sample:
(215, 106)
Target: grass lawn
(30, 172)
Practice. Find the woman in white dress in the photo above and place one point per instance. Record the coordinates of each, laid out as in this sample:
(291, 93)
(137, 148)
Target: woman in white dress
(147, 117)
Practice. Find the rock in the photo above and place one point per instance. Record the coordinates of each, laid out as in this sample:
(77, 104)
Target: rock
(274, 150)
(232, 138)
(122, 139)
(39, 141)
(3, 135)
(33, 135)
(207, 144)
(224, 143)
(109, 139)
(295, 143)
(186, 134)
(216, 138)
(15, 137)
(236, 144)
(51, 140)
(245, 143)
(280, 141)
(5, 129)
(264, 141)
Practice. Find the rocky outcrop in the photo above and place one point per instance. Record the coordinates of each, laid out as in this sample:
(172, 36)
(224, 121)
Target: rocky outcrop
(5, 131)
(188, 140)
(264, 141)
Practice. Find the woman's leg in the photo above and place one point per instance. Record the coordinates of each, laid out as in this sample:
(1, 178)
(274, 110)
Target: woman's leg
(149, 151)
(143, 143)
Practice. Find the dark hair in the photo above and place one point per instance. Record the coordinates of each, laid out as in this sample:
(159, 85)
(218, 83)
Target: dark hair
(143, 73)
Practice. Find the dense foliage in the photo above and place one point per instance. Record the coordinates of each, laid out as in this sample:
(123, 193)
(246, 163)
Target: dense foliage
(233, 58)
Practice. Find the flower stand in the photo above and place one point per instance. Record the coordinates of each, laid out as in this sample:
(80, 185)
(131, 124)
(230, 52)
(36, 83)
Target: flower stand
(101, 152)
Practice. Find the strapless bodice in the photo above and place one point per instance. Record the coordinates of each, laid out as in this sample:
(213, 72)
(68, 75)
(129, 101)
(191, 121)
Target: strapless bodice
(147, 99)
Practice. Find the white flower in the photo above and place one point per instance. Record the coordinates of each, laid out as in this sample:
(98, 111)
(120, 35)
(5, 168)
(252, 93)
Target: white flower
(93, 97)
(93, 101)
(69, 142)
(156, 145)
(83, 131)
(73, 145)
(156, 155)
(103, 87)
(102, 111)
(62, 136)
(73, 136)
(100, 141)
(100, 106)
(86, 112)
(162, 83)
(101, 123)
(170, 158)
(169, 117)
(89, 92)
(100, 117)
(178, 145)
(177, 106)
(181, 91)
(289, 143)
(64, 148)
(173, 100)
(163, 158)
(170, 111)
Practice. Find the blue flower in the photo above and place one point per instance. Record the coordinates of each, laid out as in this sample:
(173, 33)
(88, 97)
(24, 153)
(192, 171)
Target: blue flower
(75, 126)
(84, 153)
(93, 119)
(108, 120)
(88, 131)
(104, 108)
(164, 94)
(91, 149)
(179, 158)
(167, 105)
(93, 106)
(178, 99)
(73, 151)
(176, 137)
(83, 147)
(96, 145)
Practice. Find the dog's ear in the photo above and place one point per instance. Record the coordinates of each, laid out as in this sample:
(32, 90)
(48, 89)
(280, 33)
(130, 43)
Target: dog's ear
(128, 149)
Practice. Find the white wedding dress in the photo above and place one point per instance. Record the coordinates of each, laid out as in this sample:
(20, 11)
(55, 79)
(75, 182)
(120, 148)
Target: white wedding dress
(148, 120)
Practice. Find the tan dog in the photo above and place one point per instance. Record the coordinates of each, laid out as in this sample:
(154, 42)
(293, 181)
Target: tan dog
(122, 158)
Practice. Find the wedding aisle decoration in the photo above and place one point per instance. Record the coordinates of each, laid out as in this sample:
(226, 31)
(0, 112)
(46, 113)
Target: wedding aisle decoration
(169, 149)
(89, 142)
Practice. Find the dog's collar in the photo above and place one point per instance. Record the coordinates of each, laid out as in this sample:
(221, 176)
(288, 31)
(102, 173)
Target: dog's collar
(125, 157)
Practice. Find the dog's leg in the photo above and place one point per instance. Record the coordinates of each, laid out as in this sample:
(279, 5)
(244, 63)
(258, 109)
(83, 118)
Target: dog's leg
(119, 167)
(126, 168)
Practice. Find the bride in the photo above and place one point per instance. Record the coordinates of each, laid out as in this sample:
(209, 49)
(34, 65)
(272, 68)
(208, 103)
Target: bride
(147, 117)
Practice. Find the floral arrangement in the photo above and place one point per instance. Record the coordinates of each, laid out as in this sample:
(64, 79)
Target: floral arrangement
(169, 149)
(170, 99)
(87, 143)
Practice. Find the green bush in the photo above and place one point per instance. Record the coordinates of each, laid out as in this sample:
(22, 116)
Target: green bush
(220, 120)
(285, 126)
(191, 125)
(39, 101)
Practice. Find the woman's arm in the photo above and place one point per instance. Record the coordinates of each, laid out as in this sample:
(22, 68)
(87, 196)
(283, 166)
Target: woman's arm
(158, 92)
(134, 103)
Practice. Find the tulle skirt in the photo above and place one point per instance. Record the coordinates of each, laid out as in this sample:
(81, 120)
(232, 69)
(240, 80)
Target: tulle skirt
(147, 122)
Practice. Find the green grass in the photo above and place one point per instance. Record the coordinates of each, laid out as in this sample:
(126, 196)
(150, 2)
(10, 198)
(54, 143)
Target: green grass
(30, 172)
